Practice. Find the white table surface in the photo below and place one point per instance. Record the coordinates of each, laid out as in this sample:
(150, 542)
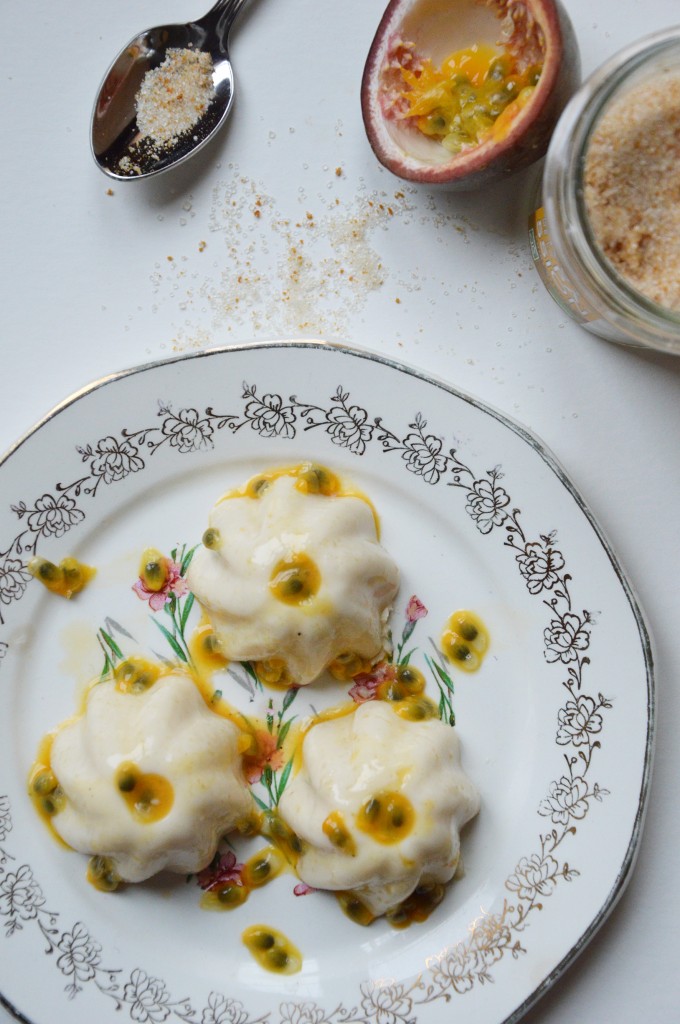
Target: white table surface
(94, 282)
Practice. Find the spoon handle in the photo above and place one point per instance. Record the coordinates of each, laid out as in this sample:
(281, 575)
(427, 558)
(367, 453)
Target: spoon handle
(222, 15)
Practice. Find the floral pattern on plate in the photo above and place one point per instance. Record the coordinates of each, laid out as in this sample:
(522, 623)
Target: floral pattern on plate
(542, 568)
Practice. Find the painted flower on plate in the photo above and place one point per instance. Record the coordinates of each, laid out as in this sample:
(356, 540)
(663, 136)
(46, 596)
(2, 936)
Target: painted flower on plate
(20, 896)
(52, 517)
(540, 564)
(415, 609)
(269, 416)
(221, 1010)
(385, 1004)
(114, 460)
(348, 428)
(422, 455)
(13, 580)
(187, 431)
(5, 817)
(301, 1013)
(79, 955)
(224, 869)
(456, 968)
(366, 683)
(266, 754)
(148, 998)
(565, 638)
(568, 798)
(491, 936)
(486, 503)
(534, 876)
(578, 722)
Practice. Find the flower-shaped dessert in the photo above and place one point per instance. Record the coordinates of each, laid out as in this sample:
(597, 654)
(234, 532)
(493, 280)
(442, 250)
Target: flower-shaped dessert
(148, 777)
(292, 577)
(378, 803)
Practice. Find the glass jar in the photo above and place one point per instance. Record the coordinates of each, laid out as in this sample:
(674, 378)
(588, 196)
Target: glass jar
(575, 271)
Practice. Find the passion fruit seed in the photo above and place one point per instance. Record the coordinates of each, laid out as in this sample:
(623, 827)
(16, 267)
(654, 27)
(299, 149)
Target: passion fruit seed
(212, 538)
(335, 830)
(461, 652)
(101, 871)
(295, 579)
(410, 679)
(127, 782)
(418, 709)
(257, 487)
(232, 895)
(371, 809)
(468, 631)
(49, 572)
(278, 958)
(54, 801)
(355, 909)
(260, 870)
(318, 480)
(44, 782)
(72, 572)
(263, 940)
(211, 643)
(154, 573)
(392, 691)
(135, 676)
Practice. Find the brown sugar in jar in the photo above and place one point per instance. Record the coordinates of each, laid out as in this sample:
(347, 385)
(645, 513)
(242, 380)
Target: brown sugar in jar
(605, 236)
(632, 187)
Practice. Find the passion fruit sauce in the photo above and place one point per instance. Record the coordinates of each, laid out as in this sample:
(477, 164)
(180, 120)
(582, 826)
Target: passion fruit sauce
(66, 579)
(476, 93)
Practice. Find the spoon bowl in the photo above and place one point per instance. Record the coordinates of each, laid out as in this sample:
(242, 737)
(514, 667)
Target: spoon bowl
(118, 146)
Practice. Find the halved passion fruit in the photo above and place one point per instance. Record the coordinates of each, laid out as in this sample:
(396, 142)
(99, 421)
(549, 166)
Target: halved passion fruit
(460, 93)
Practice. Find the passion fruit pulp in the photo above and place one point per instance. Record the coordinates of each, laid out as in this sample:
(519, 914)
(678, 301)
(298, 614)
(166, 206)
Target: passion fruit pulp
(461, 93)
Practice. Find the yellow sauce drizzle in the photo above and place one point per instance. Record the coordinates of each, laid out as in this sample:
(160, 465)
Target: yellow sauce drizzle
(295, 579)
(310, 478)
(273, 672)
(263, 867)
(386, 817)
(66, 579)
(476, 94)
(153, 569)
(149, 797)
(415, 908)
(465, 640)
(272, 950)
(354, 907)
(347, 666)
(338, 834)
(418, 906)
(206, 650)
(136, 674)
(44, 790)
(283, 837)
(102, 874)
(405, 694)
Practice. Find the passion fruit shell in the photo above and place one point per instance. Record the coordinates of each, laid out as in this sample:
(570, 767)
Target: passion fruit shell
(532, 32)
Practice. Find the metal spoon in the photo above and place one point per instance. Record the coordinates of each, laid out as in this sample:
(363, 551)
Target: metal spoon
(115, 136)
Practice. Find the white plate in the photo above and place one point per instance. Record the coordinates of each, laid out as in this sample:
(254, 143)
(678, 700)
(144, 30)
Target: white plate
(556, 727)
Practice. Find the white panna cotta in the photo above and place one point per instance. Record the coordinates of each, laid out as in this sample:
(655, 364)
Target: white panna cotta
(378, 802)
(293, 577)
(150, 777)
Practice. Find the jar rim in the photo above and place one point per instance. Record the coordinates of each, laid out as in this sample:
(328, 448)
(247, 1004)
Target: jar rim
(605, 290)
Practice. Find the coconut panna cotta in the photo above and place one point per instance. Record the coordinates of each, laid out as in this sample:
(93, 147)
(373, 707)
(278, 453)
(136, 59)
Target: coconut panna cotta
(147, 778)
(378, 802)
(459, 93)
(292, 577)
